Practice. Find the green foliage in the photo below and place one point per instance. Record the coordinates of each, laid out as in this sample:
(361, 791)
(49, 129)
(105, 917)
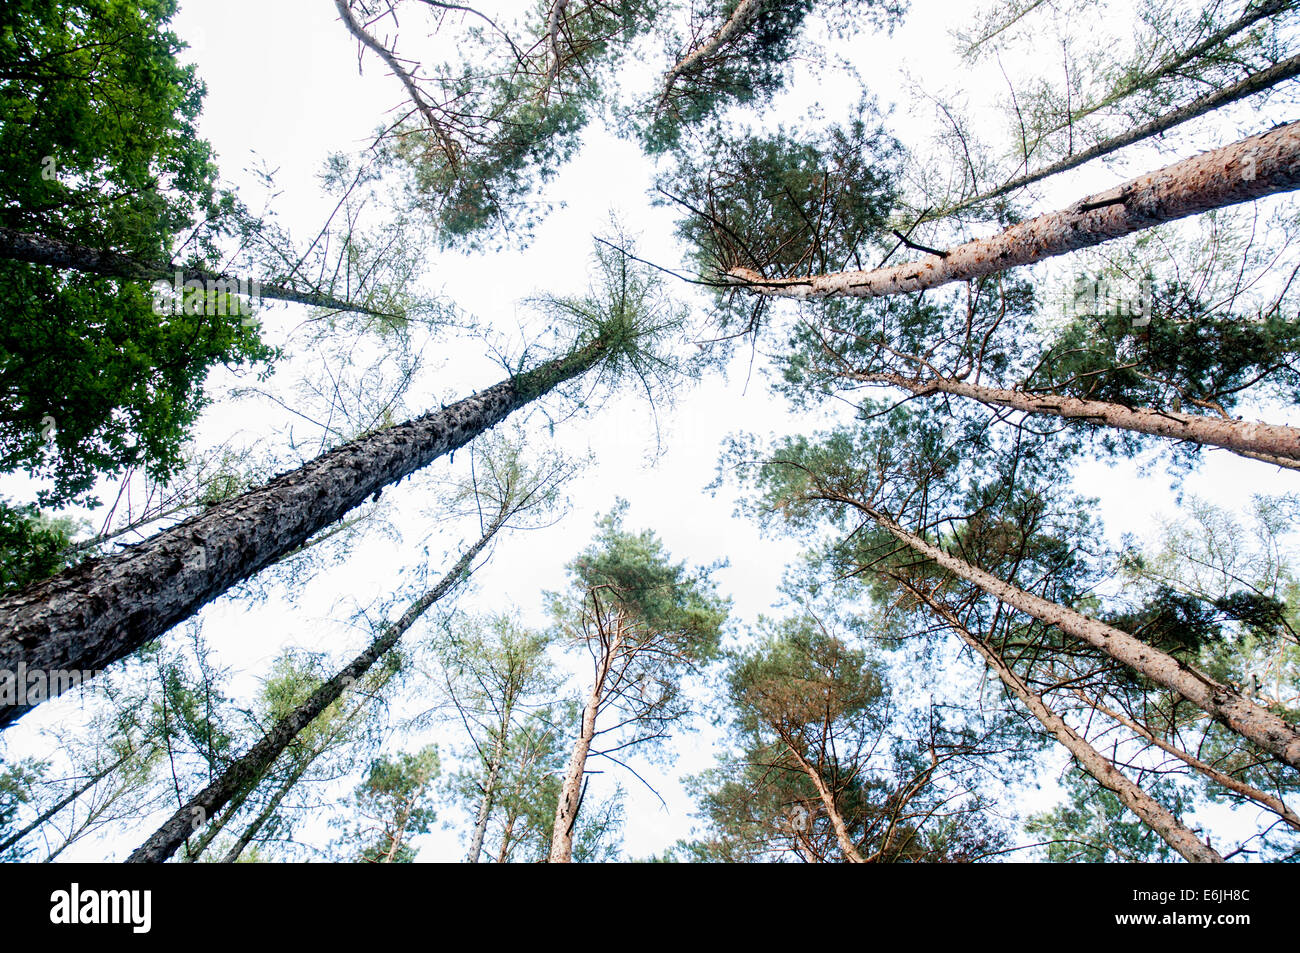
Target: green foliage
(98, 147)
(33, 546)
(806, 710)
(628, 313)
(510, 120)
(1189, 354)
(631, 574)
(753, 65)
(788, 203)
(17, 790)
(392, 805)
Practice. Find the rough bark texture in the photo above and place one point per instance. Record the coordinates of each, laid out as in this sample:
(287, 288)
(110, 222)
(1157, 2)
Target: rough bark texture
(252, 830)
(99, 611)
(1219, 701)
(1270, 442)
(255, 762)
(1252, 168)
(1151, 812)
(485, 805)
(39, 250)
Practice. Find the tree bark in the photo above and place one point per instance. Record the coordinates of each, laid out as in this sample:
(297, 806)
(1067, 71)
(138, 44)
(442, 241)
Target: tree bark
(252, 829)
(739, 18)
(101, 610)
(1151, 812)
(489, 789)
(55, 253)
(566, 811)
(1260, 440)
(847, 847)
(1249, 169)
(1243, 716)
(253, 764)
(1254, 83)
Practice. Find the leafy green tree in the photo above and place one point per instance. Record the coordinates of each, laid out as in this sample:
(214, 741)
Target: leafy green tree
(739, 53)
(32, 546)
(828, 769)
(16, 791)
(646, 622)
(98, 147)
(496, 671)
(392, 806)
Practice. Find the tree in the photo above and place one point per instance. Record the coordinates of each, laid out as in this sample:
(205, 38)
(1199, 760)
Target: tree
(1172, 831)
(738, 53)
(901, 472)
(391, 806)
(828, 769)
(483, 131)
(1113, 94)
(497, 670)
(1246, 170)
(646, 622)
(100, 150)
(513, 491)
(621, 327)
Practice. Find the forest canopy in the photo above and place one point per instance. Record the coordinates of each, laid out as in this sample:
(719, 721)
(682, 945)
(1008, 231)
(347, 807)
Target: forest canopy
(828, 431)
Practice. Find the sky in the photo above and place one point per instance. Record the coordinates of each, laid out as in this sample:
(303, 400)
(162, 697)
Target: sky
(284, 90)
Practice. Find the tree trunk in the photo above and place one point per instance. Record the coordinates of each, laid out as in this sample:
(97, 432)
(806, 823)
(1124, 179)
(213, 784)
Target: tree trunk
(485, 806)
(56, 253)
(262, 755)
(566, 811)
(259, 822)
(218, 824)
(739, 18)
(1153, 814)
(1254, 83)
(1219, 701)
(1252, 168)
(1262, 440)
(61, 804)
(847, 847)
(101, 610)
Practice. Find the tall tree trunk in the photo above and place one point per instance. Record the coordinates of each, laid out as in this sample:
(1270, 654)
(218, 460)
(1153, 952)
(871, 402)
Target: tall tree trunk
(847, 847)
(1219, 701)
(1252, 168)
(566, 811)
(56, 253)
(218, 824)
(253, 764)
(295, 776)
(485, 805)
(1273, 442)
(266, 813)
(1254, 83)
(1150, 811)
(99, 611)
